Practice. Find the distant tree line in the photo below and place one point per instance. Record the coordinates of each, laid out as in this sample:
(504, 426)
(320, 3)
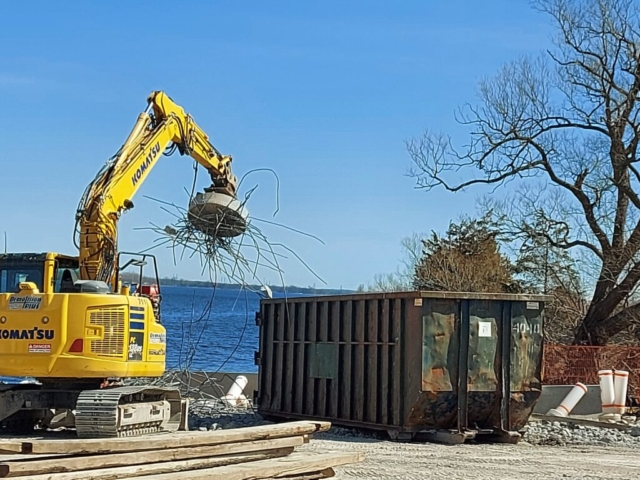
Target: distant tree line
(129, 277)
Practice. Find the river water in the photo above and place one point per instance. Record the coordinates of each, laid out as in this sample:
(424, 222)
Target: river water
(210, 329)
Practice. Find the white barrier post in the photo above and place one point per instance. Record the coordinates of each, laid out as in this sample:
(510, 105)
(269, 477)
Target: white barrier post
(607, 393)
(620, 383)
(569, 402)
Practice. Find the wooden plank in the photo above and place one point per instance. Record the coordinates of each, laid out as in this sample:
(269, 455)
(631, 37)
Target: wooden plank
(58, 464)
(326, 473)
(8, 447)
(156, 470)
(299, 463)
(174, 440)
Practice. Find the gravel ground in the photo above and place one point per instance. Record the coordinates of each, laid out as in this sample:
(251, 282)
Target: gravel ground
(549, 450)
(413, 461)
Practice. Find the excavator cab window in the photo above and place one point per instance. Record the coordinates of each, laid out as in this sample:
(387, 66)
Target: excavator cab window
(10, 278)
(17, 268)
(66, 279)
(66, 273)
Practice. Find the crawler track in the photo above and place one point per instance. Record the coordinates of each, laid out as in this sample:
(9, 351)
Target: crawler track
(99, 413)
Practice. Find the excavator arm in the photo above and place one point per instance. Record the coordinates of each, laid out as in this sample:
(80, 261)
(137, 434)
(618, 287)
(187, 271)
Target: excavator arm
(162, 125)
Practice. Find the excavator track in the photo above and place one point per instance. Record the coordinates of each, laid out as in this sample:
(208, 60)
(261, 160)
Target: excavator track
(127, 411)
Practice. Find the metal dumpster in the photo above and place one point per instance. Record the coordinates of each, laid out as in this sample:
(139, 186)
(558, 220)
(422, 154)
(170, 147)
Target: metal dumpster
(442, 364)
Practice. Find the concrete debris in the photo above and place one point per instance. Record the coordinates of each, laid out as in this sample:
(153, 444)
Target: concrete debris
(216, 414)
(341, 433)
(556, 433)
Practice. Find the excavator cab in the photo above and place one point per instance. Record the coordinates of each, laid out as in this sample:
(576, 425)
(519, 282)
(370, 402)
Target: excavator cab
(45, 270)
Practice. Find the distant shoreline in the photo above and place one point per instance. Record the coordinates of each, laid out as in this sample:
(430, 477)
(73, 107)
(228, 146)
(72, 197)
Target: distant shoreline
(176, 282)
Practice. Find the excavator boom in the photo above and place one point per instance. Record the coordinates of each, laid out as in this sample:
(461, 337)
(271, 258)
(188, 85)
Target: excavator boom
(162, 125)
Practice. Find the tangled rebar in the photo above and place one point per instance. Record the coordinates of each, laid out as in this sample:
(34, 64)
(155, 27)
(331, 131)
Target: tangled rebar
(238, 259)
(203, 388)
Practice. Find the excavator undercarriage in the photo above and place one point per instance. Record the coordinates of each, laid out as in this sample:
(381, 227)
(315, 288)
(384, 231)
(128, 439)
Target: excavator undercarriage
(101, 412)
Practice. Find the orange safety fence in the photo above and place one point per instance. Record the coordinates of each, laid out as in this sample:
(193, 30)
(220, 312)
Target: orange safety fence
(570, 364)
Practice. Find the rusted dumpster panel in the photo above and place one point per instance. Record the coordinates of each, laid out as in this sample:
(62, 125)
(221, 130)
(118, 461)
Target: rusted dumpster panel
(402, 362)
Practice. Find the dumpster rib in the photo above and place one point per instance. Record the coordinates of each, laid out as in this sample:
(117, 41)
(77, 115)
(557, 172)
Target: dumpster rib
(301, 322)
(396, 405)
(345, 361)
(334, 383)
(289, 336)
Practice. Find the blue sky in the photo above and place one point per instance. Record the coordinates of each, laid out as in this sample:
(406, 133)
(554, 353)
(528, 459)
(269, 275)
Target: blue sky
(325, 93)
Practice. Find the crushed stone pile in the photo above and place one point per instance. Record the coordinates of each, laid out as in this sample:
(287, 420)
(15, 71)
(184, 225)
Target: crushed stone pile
(557, 433)
(214, 414)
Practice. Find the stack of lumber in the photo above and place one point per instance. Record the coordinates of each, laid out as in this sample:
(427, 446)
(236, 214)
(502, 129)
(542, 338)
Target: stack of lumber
(243, 453)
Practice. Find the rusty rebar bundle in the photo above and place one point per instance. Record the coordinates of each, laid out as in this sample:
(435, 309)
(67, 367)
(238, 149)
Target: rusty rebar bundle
(235, 259)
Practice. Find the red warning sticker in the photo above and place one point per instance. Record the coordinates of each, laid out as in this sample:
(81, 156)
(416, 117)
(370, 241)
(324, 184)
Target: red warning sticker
(39, 348)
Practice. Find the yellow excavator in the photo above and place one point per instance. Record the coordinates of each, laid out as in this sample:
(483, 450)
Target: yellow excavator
(69, 323)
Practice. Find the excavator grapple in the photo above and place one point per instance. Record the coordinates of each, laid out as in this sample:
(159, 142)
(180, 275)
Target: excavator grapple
(218, 215)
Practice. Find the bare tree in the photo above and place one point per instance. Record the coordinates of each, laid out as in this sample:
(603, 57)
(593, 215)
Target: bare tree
(388, 282)
(412, 250)
(571, 119)
(544, 269)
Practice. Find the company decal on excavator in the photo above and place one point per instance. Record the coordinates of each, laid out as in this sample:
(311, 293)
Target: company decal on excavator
(145, 163)
(25, 303)
(31, 334)
(158, 338)
(136, 342)
(161, 352)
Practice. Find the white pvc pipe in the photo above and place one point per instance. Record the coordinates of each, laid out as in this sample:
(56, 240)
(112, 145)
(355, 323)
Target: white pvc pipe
(238, 387)
(607, 393)
(620, 383)
(570, 401)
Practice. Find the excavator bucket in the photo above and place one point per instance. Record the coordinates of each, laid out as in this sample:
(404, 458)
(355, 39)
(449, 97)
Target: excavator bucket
(218, 215)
